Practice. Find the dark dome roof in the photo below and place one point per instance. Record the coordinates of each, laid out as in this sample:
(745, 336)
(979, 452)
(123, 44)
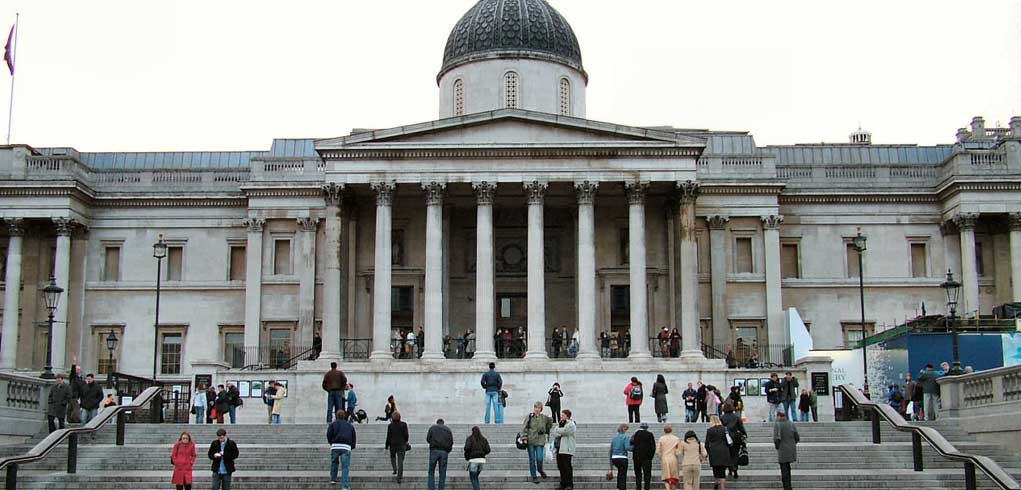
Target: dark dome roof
(512, 28)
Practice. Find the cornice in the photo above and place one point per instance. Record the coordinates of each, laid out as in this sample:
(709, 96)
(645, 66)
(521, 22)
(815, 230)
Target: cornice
(172, 202)
(856, 198)
(72, 191)
(745, 189)
(955, 188)
(308, 191)
(462, 153)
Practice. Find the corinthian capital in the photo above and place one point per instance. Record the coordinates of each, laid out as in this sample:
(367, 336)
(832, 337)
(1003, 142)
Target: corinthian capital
(65, 226)
(586, 192)
(687, 192)
(966, 221)
(384, 193)
(536, 192)
(434, 192)
(15, 226)
(717, 222)
(1014, 221)
(485, 192)
(333, 193)
(772, 222)
(636, 192)
(308, 225)
(254, 225)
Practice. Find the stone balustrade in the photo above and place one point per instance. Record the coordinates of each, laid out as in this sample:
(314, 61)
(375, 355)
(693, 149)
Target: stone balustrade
(22, 405)
(986, 402)
(735, 166)
(288, 170)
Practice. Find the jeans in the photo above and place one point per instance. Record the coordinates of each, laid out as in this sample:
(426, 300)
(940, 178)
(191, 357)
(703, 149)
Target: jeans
(567, 470)
(643, 473)
(790, 407)
(274, 419)
(689, 415)
(334, 402)
(773, 408)
(397, 462)
(535, 455)
(621, 465)
(804, 416)
(233, 414)
(931, 403)
(51, 420)
(785, 475)
(88, 415)
(221, 480)
(493, 401)
(437, 457)
(473, 474)
(200, 415)
(344, 457)
(634, 414)
(815, 413)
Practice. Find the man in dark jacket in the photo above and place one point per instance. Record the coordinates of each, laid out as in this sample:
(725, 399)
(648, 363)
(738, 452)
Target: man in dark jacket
(690, 405)
(223, 452)
(234, 399)
(441, 442)
(789, 393)
(334, 382)
(90, 397)
(785, 440)
(492, 383)
(342, 438)
(56, 403)
(930, 391)
(774, 395)
(700, 403)
(644, 448)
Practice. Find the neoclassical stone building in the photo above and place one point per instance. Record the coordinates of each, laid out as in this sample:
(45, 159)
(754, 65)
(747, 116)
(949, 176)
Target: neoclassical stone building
(511, 210)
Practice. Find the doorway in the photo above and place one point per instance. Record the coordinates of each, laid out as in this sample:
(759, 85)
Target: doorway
(511, 324)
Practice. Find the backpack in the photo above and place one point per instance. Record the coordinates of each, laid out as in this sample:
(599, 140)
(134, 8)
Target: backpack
(636, 392)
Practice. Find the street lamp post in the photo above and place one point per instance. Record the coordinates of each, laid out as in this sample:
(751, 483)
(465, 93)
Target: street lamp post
(952, 288)
(859, 242)
(51, 294)
(111, 345)
(159, 251)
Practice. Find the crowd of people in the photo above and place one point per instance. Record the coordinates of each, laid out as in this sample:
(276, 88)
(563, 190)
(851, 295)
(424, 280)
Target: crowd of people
(919, 398)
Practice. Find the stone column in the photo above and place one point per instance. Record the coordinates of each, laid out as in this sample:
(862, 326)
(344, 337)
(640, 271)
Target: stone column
(636, 265)
(62, 273)
(253, 287)
(381, 281)
(433, 270)
(718, 259)
(333, 195)
(969, 269)
(536, 192)
(1015, 256)
(688, 192)
(587, 348)
(307, 281)
(12, 295)
(777, 332)
(484, 272)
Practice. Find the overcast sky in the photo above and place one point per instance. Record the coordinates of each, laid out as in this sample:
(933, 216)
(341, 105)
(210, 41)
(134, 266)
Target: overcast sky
(224, 75)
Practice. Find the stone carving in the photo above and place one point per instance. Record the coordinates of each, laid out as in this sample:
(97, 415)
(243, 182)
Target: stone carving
(966, 221)
(636, 192)
(434, 193)
(65, 226)
(397, 248)
(717, 222)
(384, 193)
(586, 192)
(536, 192)
(772, 222)
(510, 255)
(485, 193)
(15, 226)
(688, 192)
(333, 194)
(308, 225)
(254, 225)
(1014, 221)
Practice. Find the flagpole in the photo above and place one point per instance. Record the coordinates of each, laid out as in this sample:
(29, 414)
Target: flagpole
(14, 58)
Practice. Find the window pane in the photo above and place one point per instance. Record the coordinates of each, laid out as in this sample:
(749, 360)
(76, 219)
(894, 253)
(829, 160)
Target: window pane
(620, 305)
(170, 353)
(624, 246)
(279, 346)
(852, 261)
(175, 261)
(112, 264)
(282, 257)
(233, 349)
(789, 266)
(743, 255)
(238, 263)
(918, 260)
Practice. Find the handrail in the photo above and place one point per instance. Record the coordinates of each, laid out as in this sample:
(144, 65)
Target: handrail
(936, 440)
(51, 441)
(288, 364)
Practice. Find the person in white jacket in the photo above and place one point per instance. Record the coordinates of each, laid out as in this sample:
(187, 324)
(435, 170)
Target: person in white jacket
(198, 404)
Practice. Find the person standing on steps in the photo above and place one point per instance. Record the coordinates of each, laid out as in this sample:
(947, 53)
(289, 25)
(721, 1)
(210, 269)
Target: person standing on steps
(221, 403)
(342, 438)
(667, 448)
(223, 452)
(774, 396)
(198, 404)
(700, 395)
(690, 405)
(718, 447)
(234, 398)
(620, 445)
(736, 430)
(692, 454)
(492, 383)
(805, 405)
(56, 403)
(553, 402)
(476, 448)
(278, 402)
(267, 398)
(785, 440)
(397, 437)
(90, 397)
(388, 410)
(789, 392)
(351, 402)
(735, 398)
(930, 391)
(712, 401)
(183, 457)
(441, 442)
(643, 449)
(633, 395)
(659, 393)
(536, 429)
(334, 382)
(564, 432)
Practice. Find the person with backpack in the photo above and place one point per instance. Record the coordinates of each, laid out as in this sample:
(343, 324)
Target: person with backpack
(342, 439)
(643, 449)
(659, 393)
(633, 396)
(476, 448)
(492, 384)
(535, 430)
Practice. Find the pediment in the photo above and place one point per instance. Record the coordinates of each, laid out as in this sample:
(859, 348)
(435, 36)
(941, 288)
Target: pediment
(511, 128)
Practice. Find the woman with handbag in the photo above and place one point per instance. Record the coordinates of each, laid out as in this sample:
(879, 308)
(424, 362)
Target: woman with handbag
(737, 432)
(182, 457)
(397, 442)
(692, 454)
(718, 447)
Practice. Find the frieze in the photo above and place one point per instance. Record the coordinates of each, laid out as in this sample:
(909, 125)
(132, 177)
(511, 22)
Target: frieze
(165, 202)
(457, 153)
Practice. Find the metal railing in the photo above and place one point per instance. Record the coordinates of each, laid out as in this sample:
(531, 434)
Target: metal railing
(274, 357)
(935, 440)
(752, 356)
(51, 441)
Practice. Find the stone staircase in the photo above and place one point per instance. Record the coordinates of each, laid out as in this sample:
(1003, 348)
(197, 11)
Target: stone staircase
(293, 457)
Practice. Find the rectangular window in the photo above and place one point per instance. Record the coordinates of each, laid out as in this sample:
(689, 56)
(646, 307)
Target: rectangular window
(170, 353)
(743, 255)
(279, 347)
(620, 305)
(282, 257)
(238, 263)
(853, 267)
(107, 361)
(790, 266)
(853, 334)
(980, 266)
(402, 306)
(623, 245)
(919, 259)
(175, 263)
(234, 349)
(111, 264)
(746, 340)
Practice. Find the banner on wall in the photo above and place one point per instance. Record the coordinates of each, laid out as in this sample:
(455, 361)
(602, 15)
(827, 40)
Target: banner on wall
(1011, 344)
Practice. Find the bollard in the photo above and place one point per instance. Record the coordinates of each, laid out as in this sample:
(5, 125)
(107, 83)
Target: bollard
(72, 453)
(12, 477)
(969, 476)
(916, 450)
(120, 429)
(877, 437)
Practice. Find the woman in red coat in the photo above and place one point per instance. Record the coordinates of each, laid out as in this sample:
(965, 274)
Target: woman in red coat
(183, 458)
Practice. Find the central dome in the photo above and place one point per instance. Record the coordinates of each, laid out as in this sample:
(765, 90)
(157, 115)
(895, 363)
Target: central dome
(511, 29)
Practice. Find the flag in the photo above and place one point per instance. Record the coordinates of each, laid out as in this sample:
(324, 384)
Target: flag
(9, 51)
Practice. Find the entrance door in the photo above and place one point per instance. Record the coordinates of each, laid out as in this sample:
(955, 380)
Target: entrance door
(512, 315)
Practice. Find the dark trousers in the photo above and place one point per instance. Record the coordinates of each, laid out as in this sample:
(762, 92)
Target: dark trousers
(52, 421)
(634, 414)
(815, 414)
(186, 486)
(785, 475)
(555, 408)
(643, 473)
(621, 465)
(566, 470)
(702, 415)
(221, 481)
(397, 462)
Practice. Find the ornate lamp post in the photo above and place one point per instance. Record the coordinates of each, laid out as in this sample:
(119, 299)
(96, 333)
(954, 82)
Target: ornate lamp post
(953, 288)
(51, 294)
(858, 242)
(111, 345)
(159, 251)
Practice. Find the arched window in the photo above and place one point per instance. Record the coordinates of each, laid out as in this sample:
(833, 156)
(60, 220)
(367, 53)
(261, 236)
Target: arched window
(565, 97)
(510, 90)
(459, 97)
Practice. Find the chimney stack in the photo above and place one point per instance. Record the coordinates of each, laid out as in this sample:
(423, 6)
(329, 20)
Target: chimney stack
(1015, 127)
(978, 127)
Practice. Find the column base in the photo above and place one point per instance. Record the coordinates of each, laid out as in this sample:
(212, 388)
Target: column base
(381, 355)
(330, 356)
(589, 356)
(432, 356)
(484, 355)
(536, 355)
(693, 355)
(639, 355)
